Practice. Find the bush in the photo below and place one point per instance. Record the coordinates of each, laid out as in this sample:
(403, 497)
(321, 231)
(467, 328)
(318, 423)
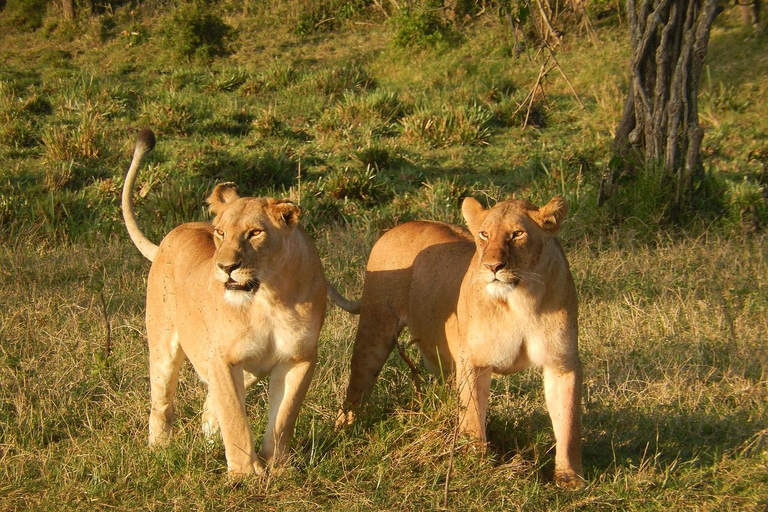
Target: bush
(196, 32)
(24, 15)
(422, 24)
(746, 204)
(326, 15)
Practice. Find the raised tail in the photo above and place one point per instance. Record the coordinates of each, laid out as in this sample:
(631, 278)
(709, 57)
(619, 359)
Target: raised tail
(145, 142)
(341, 301)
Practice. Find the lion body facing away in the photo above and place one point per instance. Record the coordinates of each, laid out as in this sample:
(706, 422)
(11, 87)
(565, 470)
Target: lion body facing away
(493, 301)
(242, 298)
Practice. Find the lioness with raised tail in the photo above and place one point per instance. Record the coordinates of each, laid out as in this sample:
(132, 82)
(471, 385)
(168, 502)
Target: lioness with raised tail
(242, 297)
(494, 300)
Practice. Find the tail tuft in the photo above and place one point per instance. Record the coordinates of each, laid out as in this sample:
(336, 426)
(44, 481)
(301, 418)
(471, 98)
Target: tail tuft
(145, 141)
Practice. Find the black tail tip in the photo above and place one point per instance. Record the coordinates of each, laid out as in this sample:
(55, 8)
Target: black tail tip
(146, 139)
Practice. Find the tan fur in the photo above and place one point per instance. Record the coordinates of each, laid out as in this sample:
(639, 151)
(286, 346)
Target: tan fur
(243, 298)
(493, 301)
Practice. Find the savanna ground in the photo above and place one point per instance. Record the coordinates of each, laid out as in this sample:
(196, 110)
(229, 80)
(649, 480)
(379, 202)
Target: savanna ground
(366, 133)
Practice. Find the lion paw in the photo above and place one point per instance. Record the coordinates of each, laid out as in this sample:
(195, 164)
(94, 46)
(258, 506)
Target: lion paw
(569, 480)
(235, 475)
(344, 419)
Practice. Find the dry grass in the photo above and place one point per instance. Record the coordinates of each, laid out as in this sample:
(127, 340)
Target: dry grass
(673, 342)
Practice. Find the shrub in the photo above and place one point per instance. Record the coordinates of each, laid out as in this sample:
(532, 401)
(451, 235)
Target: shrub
(196, 32)
(746, 204)
(422, 24)
(326, 15)
(25, 15)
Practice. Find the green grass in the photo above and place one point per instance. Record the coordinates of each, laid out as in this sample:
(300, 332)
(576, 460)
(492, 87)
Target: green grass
(365, 135)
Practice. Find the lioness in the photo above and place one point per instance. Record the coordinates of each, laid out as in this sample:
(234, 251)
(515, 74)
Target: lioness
(242, 297)
(496, 301)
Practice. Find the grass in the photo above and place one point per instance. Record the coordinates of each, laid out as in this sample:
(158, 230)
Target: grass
(365, 135)
(675, 396)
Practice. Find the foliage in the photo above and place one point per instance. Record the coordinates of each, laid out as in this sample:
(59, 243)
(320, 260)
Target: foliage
(327, 15)
(196, 31)
(24, 15)
(422, 23)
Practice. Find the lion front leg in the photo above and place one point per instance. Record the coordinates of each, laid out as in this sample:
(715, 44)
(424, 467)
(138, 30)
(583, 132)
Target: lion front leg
(227, 394)
(288, 385)
(210, 423)
(562, 390)
(474, 388)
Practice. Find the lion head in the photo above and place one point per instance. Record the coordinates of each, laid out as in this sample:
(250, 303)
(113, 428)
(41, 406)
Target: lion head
(252, 239)
(511, 238)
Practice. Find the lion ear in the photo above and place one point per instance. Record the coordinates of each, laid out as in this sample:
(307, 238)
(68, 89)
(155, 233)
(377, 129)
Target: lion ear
(223, 194)
(474, 214)
(550, 216)
(284, 213)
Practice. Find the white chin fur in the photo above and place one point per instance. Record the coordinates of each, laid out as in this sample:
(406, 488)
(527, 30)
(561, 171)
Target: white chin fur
(499, 290)
(238, 298)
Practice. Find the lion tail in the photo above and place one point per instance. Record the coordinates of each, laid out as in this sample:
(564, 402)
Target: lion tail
(145, 142)
(344, 303)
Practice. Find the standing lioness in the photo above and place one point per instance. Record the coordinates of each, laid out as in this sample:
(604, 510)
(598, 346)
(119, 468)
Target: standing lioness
(242, 297)
(496, 301)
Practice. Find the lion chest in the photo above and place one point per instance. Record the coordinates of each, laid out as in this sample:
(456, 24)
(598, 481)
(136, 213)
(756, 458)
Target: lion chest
(264, 336)
(506, 337)
(496, 345)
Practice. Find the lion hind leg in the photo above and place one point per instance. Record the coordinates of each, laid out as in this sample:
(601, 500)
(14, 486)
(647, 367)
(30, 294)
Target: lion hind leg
(377, 334)
(210, 423)
(165, 359)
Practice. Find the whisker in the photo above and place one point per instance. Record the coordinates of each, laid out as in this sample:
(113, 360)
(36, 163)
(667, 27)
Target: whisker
(529, 276)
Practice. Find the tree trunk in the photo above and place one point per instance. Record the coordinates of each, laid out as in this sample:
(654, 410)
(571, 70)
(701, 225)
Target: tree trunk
(750, 13)
(68, 7)
(660, 121)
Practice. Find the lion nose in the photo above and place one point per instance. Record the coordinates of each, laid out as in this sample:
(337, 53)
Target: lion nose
(496, 266)
(229, 268)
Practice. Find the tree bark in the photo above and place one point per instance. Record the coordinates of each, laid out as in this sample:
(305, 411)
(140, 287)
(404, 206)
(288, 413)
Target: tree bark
(750, 13)
(660, 122)
(68, 7)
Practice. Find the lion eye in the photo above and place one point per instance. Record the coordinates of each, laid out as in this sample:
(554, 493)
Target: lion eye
(517, 235)
(483, 235)
(254, 233)
(219, 233)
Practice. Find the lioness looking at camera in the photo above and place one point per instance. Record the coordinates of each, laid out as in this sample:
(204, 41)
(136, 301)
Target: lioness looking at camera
(242, 297)
(495, 300)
